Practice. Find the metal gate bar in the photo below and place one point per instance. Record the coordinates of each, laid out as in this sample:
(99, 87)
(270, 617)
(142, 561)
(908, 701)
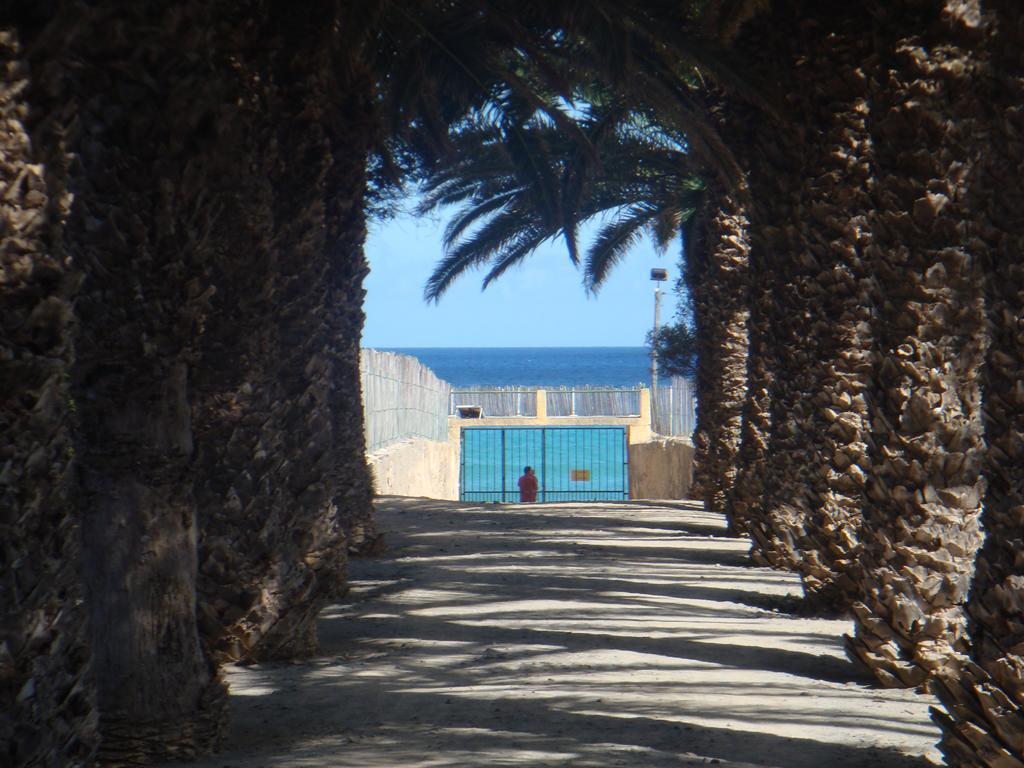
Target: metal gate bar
(571, 463)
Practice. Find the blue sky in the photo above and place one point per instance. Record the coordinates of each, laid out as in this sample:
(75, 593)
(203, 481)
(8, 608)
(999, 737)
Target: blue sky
(540, 304)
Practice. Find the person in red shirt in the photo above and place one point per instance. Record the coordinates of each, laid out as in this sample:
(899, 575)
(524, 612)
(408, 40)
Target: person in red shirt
(528, 485)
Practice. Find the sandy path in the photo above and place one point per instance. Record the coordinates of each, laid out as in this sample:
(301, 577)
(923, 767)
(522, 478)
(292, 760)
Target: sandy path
(629, 634)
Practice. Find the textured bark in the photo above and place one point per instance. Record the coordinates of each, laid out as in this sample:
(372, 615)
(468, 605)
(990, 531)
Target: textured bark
(717, 276)
(809, 515)
(239, 493)
(310, 556)
(280, 448)
(924, 492)
(745, 502)
(983, 724)
(47, 694)
(745, 505)
(202, 152)
(141, 92)
(754, 138)
(346, 233)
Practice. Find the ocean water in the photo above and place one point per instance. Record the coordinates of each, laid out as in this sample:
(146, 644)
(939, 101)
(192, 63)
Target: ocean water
(535, 366)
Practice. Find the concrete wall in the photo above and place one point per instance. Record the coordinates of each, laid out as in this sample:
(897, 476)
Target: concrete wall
(417, 468)
(661, 469)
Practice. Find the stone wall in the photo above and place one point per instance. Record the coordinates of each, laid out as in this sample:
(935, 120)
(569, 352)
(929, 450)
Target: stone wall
(661, 469)
(417, 467)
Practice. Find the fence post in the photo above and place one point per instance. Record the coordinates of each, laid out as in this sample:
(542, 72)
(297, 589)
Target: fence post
(671, 409)
(542, 405)
(647, 406)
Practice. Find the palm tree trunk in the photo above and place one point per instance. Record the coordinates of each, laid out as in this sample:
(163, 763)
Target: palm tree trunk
(309, 561)
(47, 691)
(810, 515)
(925, 487)
(270, 545)
(240, 490)
(745, 504)
(273, 547)
(717, 276)
(346, 233)
(984, 720)
(144, 100)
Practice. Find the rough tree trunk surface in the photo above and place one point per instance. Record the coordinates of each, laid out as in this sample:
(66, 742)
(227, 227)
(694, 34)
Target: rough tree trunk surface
(754, 140)
(745, 501)
(309, 553)
(346, 233)
(811, 506)
(745, 504)
(924, 493)
(47, 694)
(239, 493)
(984, 720)
(717, 276)
(273, 549)
(140, 84)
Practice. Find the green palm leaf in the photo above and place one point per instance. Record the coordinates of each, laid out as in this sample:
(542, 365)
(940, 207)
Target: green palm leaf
(615, 240)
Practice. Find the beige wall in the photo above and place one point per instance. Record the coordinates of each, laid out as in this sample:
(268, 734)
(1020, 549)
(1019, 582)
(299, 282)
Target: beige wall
(661, 469)
(417, 468)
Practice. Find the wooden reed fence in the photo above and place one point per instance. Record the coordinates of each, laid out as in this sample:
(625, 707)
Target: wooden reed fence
(594, 401)
(503, 402)
(402, 399)
(675, 408)
(496, 401)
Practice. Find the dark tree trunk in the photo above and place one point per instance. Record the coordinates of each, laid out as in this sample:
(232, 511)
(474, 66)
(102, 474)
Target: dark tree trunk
(352, 128)
(745, 504)
(717, 278)
(925, 489)
(47, 693)
(813, 240)
(279, 369)
(239, 492)
(984, 720)
(301, 577)
(143, 99)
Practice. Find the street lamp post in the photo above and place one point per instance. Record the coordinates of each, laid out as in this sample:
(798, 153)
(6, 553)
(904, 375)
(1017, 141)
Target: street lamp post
(658, 275)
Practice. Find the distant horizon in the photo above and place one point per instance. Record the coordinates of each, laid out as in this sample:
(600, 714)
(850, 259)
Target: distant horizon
(386, 347)
(532, 366)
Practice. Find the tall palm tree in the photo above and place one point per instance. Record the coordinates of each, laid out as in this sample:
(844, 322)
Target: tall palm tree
(799, 491)
(141, 84)
(924, 492)
(47, 696)
(984, 701)
(717, 276)
(268, 367)
(643, 181)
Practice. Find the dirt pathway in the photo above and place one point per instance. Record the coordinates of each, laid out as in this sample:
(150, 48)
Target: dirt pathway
(610, 634)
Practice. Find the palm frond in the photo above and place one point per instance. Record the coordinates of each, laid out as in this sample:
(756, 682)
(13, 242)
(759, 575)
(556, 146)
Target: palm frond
(473, 214)
(532, 239)
(614, 241)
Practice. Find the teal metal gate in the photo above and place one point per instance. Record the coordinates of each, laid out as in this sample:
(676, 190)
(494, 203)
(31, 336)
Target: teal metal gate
(571, 463)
